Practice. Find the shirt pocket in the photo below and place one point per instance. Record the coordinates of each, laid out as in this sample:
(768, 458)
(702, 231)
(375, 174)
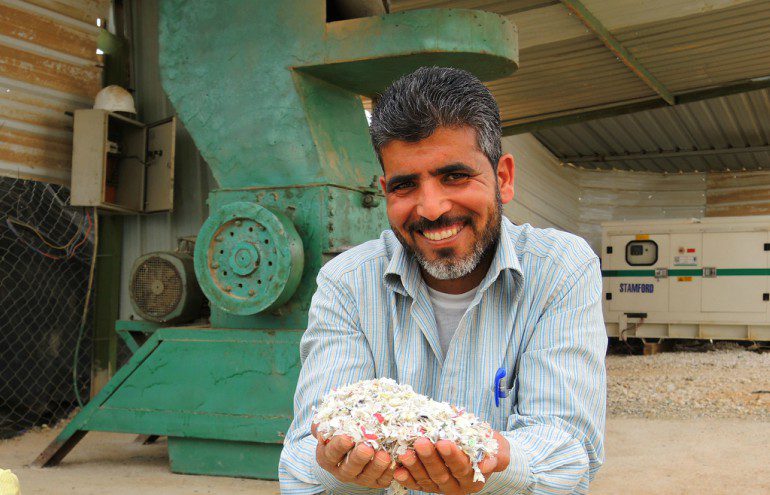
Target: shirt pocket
(500, 413)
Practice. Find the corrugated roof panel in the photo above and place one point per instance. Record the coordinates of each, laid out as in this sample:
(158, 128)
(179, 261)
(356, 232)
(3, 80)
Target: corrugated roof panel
(746, 115)
(504, 7)
(48, 66)
(617, 14)
(735, 121)
(563, 76)
(686, 44)
(706, 49)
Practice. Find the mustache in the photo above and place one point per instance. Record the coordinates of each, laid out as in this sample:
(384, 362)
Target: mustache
(441, 222)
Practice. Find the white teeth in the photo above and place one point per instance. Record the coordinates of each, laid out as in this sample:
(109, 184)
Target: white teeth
(444, 234)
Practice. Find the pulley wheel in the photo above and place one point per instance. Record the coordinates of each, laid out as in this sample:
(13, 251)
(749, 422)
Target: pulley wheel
(248, 258)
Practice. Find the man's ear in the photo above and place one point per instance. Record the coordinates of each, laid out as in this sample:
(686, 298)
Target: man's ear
(505, 174)
(382, 184)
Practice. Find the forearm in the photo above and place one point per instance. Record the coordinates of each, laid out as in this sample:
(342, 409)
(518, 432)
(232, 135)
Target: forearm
(300, 473)
(545, 460)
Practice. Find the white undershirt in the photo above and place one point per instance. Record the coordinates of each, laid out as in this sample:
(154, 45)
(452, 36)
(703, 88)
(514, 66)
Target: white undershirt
(449, 309)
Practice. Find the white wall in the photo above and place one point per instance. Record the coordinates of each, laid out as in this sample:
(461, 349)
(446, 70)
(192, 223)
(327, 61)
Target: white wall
(619, 195)
(551, 194)
(546, 192)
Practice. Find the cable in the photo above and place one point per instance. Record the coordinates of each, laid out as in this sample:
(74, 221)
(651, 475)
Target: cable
(67, 248)
(72, 252)
(42, 237)
(85, 307)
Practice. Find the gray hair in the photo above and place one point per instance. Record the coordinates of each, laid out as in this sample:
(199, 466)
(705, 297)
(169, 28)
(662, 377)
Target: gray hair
(413, 107)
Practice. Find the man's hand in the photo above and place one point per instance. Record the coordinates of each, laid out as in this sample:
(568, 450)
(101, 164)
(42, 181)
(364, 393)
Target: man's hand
(444, 468)
(359, 465)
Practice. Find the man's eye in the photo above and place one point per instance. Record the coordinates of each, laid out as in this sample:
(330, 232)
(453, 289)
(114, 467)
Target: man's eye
(456, 176)
(402, 185)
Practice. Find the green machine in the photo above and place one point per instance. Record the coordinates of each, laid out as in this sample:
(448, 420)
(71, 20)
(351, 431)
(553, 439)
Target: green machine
(270, 92)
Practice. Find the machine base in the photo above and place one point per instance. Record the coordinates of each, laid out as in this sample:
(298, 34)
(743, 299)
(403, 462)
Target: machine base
(224, 458)
(223, 397)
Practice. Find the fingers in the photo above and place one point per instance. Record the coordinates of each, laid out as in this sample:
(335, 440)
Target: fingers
(377, 472)
(331, 454)
(455, 459)
(417, 477)
(487, 465)
(355, 462)
(503, 457)
(435, 467)
(386, 479)
(404, 478)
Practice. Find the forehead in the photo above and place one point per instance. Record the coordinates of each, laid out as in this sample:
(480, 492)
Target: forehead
(445, 146)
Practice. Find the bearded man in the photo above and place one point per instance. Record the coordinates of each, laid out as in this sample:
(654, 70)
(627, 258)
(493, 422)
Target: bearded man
(445, 299)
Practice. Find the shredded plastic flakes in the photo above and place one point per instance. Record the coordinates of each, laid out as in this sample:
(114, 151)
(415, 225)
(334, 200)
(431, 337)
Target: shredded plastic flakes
(390, 417)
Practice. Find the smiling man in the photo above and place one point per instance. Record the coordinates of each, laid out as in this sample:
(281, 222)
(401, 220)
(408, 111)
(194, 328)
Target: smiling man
(449, 299)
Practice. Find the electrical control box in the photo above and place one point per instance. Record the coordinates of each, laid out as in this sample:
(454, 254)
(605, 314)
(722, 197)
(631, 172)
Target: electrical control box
(694, 278)
(122, 165)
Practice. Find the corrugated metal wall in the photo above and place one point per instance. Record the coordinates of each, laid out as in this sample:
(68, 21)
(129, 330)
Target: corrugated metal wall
(545, 192)
(160, 231)
(549, 194)
(737, 194)
(48, 66)
(619, 195)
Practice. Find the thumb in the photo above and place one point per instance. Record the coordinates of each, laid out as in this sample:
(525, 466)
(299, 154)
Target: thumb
(488, 465)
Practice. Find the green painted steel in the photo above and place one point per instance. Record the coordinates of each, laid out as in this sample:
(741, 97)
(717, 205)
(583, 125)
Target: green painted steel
(248, 258)
(135, 332)
(728, 272)
(628, 273)
(241, 459)
(685, 272)
(689, 272)
(270, 92)
(329, 219)
(205, 384)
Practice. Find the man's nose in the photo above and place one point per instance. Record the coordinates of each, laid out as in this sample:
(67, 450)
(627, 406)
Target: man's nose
(433, 202)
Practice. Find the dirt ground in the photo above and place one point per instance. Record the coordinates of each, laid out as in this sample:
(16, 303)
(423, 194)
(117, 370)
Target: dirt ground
(703, 456)
(664, 436)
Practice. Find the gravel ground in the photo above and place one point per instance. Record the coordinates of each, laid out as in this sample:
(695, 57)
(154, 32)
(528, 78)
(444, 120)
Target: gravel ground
(684, 423)
(727, 382)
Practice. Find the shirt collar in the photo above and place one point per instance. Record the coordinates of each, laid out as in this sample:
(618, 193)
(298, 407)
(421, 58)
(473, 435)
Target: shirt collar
(403, 272)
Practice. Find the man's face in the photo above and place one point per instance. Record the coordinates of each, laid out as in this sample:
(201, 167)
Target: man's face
(444, 201)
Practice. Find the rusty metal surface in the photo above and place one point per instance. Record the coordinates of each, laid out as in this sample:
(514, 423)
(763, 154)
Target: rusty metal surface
(48, 66)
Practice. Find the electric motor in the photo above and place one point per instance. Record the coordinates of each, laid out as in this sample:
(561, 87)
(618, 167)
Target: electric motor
(164, 289)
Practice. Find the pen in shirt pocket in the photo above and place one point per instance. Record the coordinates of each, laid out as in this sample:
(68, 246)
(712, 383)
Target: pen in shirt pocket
(499, 386)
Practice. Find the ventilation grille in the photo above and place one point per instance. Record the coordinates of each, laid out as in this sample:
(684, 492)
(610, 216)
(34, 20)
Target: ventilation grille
(156, 287)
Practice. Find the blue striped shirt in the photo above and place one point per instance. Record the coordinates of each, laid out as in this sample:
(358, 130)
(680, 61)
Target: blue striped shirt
(537, 313)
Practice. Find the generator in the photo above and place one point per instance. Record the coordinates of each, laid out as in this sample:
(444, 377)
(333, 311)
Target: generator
(696, 278)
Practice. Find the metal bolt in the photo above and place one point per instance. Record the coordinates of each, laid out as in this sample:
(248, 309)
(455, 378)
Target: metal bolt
(251, 292)
(238, 223)
(228, 288)
(215, 265)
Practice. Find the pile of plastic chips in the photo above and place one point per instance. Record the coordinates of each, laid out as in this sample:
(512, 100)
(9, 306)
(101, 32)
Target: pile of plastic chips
(9, 483)
(390, 417)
